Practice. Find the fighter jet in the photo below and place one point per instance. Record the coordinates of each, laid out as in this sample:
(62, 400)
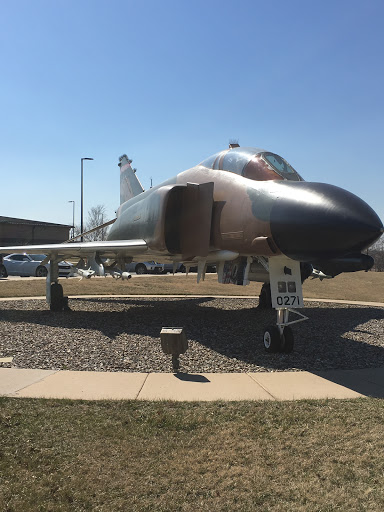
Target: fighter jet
(244, 209)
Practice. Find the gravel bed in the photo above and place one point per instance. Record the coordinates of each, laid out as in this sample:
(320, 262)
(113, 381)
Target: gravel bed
(225, 335)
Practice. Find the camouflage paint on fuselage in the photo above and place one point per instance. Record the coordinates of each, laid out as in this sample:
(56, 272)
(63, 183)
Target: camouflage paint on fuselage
(260, 207)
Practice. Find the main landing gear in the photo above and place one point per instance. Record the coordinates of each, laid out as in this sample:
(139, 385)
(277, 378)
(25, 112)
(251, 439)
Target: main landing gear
(58, 301)
(53, 290)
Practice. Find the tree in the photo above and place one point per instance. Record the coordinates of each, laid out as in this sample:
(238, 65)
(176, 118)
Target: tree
(377, 253)
(96, 217)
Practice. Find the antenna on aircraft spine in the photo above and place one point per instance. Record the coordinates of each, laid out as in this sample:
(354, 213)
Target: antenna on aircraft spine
(234, 143)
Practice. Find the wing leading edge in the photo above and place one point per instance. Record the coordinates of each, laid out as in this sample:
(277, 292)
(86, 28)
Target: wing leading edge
(109, 249)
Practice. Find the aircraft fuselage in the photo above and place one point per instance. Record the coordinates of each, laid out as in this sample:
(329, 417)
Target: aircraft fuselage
(302, 220)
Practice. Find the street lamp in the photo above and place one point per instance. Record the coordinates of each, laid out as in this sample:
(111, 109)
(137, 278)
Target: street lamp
(73, 218)
(81, 207)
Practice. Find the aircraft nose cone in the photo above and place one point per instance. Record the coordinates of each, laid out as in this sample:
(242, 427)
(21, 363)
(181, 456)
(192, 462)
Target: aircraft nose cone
(310, 221)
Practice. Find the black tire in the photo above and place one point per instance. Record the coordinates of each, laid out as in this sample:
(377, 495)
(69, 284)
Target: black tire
(57, 298)
(41, 271)
(288, 340)
(272, 339)
(3, 271)
(182, 268)
(140, 269)
(265, 299)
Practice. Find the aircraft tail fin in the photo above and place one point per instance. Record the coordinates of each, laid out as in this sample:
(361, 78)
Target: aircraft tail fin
(130, 185)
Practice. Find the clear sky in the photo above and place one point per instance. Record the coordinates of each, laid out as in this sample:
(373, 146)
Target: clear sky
(170, 82)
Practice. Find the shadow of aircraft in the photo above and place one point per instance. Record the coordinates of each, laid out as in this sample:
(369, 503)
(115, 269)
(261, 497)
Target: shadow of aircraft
(367, 382)
(229, 332)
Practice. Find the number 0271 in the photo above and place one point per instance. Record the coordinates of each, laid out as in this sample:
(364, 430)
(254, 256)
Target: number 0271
(288, 300)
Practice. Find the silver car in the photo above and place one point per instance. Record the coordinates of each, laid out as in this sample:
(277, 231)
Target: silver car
(31, 265)
(145, 267)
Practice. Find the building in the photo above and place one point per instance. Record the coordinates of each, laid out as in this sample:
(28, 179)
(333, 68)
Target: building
(25, 232)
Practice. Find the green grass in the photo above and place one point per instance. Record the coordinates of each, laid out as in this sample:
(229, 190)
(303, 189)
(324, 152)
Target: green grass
(143, 456)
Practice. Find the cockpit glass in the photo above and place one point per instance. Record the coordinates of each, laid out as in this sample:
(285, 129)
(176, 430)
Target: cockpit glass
(253, 163)
(278, 163)
(210, 161)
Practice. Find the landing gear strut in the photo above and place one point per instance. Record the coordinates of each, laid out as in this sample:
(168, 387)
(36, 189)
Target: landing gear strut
(53, 290)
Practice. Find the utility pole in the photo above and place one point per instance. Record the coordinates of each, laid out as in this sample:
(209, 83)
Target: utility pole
(81, 207)
(73, 218)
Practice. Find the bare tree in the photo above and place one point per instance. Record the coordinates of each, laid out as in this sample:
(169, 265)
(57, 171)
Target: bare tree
(96, 217)
(377, 253)
(77, 230)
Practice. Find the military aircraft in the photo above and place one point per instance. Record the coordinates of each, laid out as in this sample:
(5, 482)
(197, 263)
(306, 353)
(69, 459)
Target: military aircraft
(244, 209)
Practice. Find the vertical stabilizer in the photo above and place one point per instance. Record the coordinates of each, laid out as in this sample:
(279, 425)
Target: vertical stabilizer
(130, 185)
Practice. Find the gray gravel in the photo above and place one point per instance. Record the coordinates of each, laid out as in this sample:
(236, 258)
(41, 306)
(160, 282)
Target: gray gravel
(225, 335)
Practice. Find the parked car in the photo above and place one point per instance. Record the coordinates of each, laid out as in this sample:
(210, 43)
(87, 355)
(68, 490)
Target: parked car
(210, 268)
(31, 265)
(168, 267)
(144, 267)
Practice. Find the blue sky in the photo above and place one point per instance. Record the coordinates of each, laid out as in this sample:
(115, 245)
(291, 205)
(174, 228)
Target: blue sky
(170, 82)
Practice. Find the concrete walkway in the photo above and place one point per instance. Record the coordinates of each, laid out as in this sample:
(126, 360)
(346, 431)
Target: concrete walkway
(191, 387)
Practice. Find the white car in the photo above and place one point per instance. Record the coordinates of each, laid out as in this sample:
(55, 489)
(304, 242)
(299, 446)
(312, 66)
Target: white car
(145, 267)
(30, 265)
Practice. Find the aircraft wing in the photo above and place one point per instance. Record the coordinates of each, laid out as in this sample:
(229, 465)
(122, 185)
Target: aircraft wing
(108, 249)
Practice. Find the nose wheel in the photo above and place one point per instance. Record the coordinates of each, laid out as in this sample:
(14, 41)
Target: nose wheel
(288, 340)
(272, 342)
(279, 337)
(276, 341)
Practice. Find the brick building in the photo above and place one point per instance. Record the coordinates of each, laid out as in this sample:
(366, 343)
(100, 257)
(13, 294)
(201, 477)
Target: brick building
(25, 232)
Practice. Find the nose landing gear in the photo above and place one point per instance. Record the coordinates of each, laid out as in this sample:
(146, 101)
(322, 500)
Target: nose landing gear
(285, 290)
(276, 342)
(279, 337)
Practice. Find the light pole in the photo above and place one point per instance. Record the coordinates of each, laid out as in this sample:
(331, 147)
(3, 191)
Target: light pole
(81, 207)
(73, 218)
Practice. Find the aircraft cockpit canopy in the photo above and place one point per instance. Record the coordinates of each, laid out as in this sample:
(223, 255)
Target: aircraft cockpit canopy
(253, 163)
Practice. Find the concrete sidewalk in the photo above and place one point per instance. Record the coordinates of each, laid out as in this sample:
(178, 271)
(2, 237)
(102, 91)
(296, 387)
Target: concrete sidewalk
(191, 387)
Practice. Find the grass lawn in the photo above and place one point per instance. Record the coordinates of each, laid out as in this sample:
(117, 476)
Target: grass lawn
(364, 286)
(143, 456)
